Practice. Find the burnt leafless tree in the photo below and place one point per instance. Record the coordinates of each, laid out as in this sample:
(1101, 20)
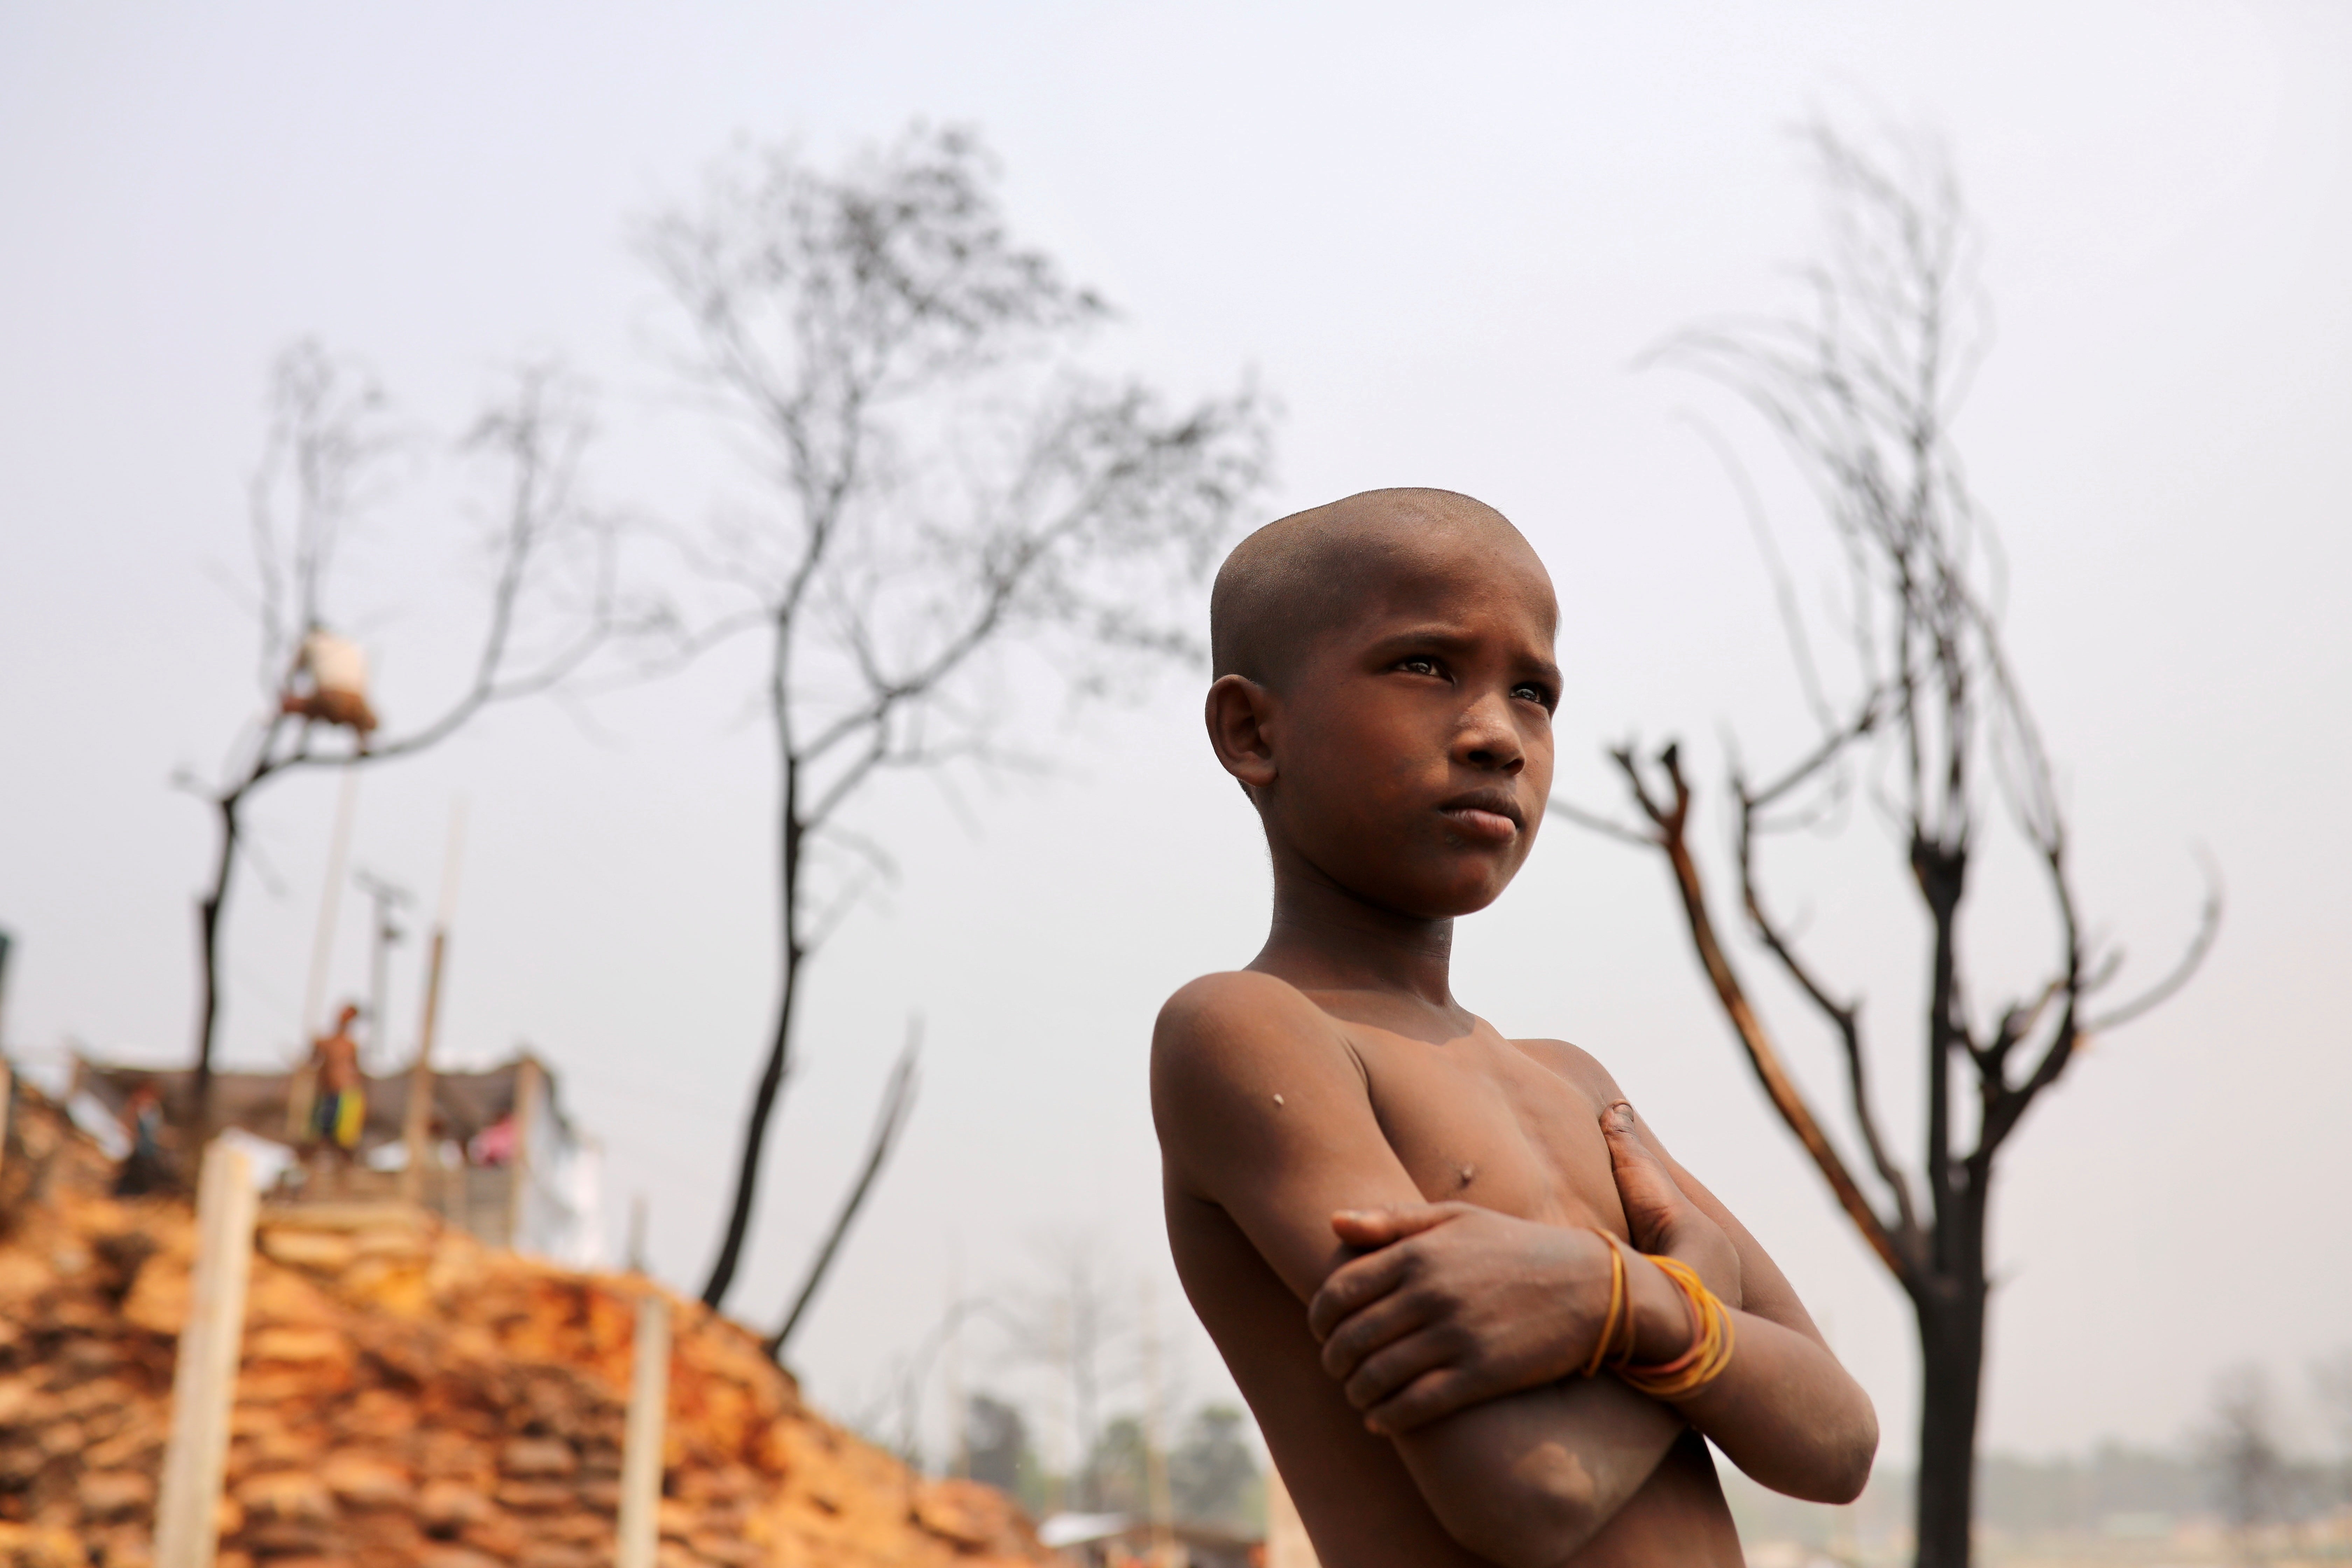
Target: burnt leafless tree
(334, 453)
(1932, 729)
(1075, 1327)
(2252, 1478)
(939, 479)
(2331, 1382)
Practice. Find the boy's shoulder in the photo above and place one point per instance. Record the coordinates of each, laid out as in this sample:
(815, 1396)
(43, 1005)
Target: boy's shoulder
(1240, 1012)
(1240, 1029)
(1240, 1040)
(1577, 1065)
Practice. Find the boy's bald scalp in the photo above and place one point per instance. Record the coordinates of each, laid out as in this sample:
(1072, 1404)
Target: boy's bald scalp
(1301, 575)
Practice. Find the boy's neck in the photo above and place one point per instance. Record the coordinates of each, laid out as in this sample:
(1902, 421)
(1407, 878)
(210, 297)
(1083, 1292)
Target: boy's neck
(1326, 938)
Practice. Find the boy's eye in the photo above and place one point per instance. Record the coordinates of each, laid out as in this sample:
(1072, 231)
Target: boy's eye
(1535, 694)
(1418, 664)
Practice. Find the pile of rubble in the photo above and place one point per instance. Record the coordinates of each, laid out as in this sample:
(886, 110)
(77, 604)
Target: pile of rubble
(409, 1396)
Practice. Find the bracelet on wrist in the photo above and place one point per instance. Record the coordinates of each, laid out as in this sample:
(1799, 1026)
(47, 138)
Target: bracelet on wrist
(1605, 1351)
(1710, 1346)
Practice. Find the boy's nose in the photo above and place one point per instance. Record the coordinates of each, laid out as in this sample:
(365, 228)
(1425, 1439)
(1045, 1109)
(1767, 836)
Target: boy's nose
(1489, 739)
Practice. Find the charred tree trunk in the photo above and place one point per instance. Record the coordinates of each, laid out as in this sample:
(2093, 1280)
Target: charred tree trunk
(1951, 1372)
(209, 909)
(1862, 389)
(779, 1047)
(1950, 1299)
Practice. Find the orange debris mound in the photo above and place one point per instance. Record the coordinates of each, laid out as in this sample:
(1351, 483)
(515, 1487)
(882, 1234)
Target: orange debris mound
(409, 1396)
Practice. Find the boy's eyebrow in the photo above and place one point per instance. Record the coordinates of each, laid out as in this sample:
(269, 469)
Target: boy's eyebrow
(1448, 639)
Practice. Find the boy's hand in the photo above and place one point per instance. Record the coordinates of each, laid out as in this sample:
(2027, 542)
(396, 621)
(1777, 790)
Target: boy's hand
(1455, 1305)
(1662, 1219)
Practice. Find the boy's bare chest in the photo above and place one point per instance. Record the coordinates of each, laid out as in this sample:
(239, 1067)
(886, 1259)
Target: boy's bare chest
(1478, 1121)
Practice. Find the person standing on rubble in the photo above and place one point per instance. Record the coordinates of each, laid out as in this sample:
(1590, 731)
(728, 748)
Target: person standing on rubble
(338, 1103)
(146, 1168)
(327, 685)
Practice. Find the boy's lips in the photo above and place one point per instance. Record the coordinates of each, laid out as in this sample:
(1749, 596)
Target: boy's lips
(1490, 815)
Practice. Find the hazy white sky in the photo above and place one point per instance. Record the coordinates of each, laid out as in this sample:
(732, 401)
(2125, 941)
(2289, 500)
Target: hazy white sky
(1441, 235)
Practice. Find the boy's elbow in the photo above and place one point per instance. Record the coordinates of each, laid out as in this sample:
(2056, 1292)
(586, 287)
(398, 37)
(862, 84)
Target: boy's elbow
(1842, 1465)
(1855, 1458)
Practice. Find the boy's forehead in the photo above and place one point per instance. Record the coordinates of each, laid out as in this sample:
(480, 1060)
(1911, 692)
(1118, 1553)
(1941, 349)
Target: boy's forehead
(1378, 556)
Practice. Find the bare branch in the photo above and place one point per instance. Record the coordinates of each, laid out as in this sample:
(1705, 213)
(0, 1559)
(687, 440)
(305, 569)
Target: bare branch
(942, 482)
(1843, 1016)
(1594, 822)
(897, 1104)
(323, 464)
(1895, 1249)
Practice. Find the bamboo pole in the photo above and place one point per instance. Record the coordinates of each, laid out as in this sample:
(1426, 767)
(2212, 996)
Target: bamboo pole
(204, 1378)
(530, 1108)
(416, 1127)
(641, 1452)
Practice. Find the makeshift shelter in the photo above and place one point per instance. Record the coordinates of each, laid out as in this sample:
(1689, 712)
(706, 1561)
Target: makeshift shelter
(501, 1161)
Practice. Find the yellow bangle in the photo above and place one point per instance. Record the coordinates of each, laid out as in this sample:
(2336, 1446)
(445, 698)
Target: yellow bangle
(1710, 1347)
(1620, 1301)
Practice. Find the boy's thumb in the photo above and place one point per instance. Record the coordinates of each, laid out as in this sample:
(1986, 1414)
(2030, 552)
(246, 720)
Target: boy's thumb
(1378, 1227)
(1641, 1178)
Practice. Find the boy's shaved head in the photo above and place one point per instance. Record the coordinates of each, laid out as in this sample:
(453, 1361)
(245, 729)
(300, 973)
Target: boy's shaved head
(1304, 575)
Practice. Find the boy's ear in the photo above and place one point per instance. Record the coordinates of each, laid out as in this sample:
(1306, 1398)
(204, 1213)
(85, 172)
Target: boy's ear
(1239, 710)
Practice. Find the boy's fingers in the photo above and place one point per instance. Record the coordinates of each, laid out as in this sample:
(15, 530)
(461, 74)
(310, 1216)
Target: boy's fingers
(1395, 1366)
(1363, 1333)
(1434, 1395)
(1353, 1285)
(1379, 1226)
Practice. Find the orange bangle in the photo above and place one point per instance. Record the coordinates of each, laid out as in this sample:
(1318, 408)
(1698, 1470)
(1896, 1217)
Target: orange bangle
(1710, 1346)
(1620, 1301)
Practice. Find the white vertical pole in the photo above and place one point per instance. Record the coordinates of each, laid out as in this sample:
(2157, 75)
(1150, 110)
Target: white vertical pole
(528, 1084)
(204, 1379)
(641, 1451)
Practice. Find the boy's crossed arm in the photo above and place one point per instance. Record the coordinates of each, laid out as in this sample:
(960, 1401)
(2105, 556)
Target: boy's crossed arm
(1458, 1304)
(1458, 1334)
(1263, 1112)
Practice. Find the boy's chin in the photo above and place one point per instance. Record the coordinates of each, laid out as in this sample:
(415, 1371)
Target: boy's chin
(1442, 900)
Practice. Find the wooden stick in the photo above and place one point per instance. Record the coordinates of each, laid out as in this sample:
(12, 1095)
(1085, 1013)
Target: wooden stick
(528, 1093)
(416, 1127)
(640, 1453)
(204, 1379)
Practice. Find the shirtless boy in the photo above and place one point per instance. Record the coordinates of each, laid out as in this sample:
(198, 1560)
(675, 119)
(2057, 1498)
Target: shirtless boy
(1390, 1219)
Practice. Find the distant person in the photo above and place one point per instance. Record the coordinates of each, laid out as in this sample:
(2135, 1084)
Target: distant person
(146, 1168)
(495, 1145)
(339, 1100)
(1480, 1313)
(327, 685)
